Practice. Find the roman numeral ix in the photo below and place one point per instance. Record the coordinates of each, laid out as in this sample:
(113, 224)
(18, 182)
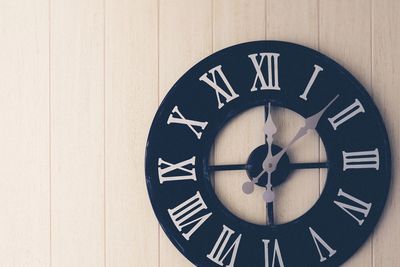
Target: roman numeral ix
(168, 172)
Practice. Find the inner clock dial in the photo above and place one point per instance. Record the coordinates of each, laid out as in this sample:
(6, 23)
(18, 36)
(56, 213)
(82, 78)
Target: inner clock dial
(299, 177)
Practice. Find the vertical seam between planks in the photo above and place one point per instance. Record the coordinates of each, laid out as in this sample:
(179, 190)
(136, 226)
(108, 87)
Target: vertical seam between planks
(104, 137)
(265, 18)
(318, 47)
(370, 85)
(212, 25)
(49, 118)
(158, 103)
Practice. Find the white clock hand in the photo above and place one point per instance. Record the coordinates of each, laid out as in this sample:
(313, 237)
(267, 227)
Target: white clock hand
(269, 131)
(310, 123)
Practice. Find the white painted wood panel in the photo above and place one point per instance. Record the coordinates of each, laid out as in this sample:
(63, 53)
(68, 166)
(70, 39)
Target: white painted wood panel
(80, 82)
(237, 22)
(131, 74)
(386, 84)
(24, 135)
(185, 36)
(345, 36)
(77, 132)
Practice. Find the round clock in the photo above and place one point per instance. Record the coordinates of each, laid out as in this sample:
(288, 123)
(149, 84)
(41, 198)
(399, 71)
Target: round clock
(271, 74)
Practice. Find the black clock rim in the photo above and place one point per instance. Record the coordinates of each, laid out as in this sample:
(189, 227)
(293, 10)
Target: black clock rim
(382, 204)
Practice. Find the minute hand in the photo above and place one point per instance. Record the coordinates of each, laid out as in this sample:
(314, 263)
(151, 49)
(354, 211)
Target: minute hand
(310, 123)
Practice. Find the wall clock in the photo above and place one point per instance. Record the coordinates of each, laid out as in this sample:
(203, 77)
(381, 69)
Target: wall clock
(269, 74)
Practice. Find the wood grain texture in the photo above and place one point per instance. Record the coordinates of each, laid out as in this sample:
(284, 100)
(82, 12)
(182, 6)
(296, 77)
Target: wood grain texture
(131, 74)
(77, 132)
(386, 83)
(295, 21)
(80, 82)
(24, 138)
(345, 36)
(237, 22)
(184, 39)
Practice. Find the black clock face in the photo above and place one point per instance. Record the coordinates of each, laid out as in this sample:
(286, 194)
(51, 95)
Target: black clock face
(270, 74)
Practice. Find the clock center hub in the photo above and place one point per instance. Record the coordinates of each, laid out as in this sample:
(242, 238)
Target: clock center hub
(255, 162)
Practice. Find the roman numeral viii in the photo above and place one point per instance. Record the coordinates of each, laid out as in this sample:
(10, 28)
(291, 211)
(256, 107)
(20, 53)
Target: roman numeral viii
(189, 123)
(363, 208)
(217, 254)
(272, 82)
(184, 170)
(361, 160)
(276, 254)
(229, 94)
(187, 214)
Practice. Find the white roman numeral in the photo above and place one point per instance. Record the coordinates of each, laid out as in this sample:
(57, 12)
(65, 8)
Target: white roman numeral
(184, 214)
(217, 256)
(229, 96)
(272, 82)
(185, 167)
(190, 123)
(317, 69)
(346, 114)
(319, 241)
(364, 207)
(276, 254)
(361, 160)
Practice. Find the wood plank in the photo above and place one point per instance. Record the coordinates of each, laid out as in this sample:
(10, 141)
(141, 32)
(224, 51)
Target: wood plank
(77, 132)
(131, 77)
(24, 139)
(386, 83)
(346, 37)
(295, 21)
(184, 38)
(237, 22)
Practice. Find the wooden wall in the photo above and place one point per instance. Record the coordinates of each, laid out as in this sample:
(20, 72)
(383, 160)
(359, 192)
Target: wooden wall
(80, 81)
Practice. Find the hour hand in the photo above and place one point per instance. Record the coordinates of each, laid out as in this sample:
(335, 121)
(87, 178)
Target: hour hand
(269, 131)
(270, 127)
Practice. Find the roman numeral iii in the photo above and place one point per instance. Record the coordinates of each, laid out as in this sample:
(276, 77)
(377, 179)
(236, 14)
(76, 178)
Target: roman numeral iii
(187, 214)
(361, 160)
(272, 82)
(276, 254)
(363, 208)
(346, 114)
(319, 241)
(180, 171)
(228, 93)
(217, 254)
(317, 69)
(190, 123)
